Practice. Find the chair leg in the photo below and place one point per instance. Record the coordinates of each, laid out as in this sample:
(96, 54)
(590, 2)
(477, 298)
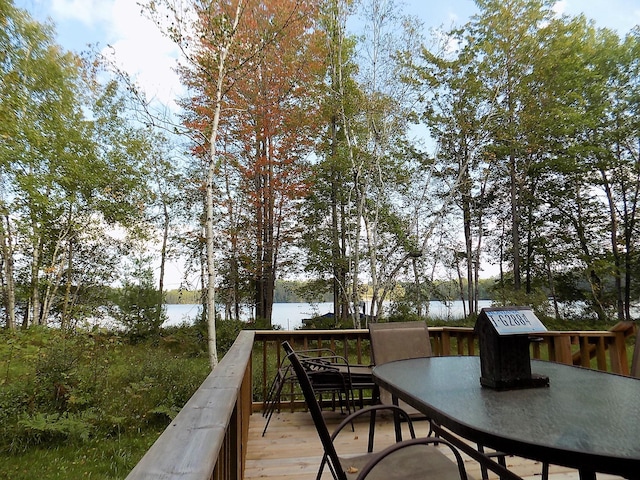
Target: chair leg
(376, 395)
(484, 473)
(273, 398)
(501, 460)
(396, 420)
(372, 430)
(545, 471)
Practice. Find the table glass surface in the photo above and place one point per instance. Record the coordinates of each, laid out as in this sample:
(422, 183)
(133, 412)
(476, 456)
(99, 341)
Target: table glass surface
(582, 412)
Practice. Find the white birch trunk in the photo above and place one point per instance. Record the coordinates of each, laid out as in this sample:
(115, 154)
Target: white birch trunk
(209, 231)
(10, 289)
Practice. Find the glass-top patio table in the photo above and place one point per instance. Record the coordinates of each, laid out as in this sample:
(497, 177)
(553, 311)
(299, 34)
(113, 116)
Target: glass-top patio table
(585, 419)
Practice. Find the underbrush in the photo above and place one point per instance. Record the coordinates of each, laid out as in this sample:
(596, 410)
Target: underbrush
(95, 401)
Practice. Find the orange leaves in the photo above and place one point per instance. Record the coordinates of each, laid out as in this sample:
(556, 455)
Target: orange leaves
(269, 116)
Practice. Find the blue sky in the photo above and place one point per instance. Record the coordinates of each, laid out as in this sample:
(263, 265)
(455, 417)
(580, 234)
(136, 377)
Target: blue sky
(139, 48)
(117, 28)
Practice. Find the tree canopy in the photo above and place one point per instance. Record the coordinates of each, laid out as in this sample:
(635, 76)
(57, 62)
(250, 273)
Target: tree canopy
(299, 157)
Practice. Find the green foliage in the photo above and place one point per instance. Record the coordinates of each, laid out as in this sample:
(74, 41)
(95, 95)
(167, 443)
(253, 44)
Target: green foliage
(185, 340)
(50, 427)
(154, 388)
(139, 305)
(62, 388)
(226, 333)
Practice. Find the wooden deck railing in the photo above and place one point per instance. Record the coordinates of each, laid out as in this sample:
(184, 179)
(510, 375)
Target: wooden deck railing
(208, 438)
(601, 350)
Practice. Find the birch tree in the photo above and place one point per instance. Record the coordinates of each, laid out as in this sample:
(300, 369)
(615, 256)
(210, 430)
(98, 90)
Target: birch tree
(70, 165)
(235, 47)
(218, 42)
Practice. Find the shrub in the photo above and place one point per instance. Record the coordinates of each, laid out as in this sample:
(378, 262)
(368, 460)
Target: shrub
(153, 386)
(138, 306)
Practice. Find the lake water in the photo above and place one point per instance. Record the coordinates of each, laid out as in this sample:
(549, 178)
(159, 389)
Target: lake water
(289, 315)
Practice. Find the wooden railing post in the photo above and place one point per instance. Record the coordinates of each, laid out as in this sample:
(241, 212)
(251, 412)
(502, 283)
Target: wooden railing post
(561, 349)
(618, 355)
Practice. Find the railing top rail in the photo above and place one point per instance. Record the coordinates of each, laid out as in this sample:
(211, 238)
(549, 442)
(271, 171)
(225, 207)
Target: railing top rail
(260, 334)
(360, 332)
(580, 333)
(188, 449)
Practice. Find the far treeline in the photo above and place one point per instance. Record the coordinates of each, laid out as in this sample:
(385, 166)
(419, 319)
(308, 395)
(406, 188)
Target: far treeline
(530, 162)
(297, 291)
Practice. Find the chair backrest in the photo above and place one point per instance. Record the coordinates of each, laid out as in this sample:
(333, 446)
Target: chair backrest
(316, 412)
(399, 341)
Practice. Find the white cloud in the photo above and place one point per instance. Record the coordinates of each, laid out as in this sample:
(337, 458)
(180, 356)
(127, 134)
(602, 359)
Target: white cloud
(619, 15)
(136, 45)
(141, 50)
(560, 7)
(88, 12)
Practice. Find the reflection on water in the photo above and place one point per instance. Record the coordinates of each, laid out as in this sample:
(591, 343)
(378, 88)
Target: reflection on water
(289, 315)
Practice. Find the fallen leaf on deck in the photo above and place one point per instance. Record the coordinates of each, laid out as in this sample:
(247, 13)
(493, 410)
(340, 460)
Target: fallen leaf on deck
(352, 470)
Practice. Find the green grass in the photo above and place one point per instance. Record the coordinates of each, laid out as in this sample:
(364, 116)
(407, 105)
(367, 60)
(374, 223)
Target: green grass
(103, 458)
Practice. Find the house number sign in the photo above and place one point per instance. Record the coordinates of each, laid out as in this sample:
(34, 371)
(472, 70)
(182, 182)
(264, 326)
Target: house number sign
(514, 322)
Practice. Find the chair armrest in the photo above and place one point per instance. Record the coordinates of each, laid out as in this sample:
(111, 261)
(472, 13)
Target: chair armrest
(324, 363)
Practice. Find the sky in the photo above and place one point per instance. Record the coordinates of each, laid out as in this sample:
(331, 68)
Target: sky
(114, 27)
(118, 27)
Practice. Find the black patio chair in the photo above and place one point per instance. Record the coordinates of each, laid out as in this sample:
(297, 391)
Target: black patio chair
(333, 373)
(328, 373)
(415, 458)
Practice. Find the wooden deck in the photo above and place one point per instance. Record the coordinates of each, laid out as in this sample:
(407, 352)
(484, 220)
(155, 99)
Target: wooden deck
(216, 428)
(292, 450)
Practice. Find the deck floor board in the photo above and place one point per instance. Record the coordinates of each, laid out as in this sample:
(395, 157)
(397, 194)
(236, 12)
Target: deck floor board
(291, 449)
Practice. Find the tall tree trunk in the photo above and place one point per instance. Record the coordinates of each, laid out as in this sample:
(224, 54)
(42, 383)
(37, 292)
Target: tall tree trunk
(335, 236)
(530, 253)
(615, 249)
(33, 315)
(233, 300)
(461, 284)
(465, 187)
(66, 303)
(211, 168)
(7, 263)
(163, 256)
(261, 186)
(515, 221)
(593, 279)
(476, 264)
(552, 289)
(54, 280)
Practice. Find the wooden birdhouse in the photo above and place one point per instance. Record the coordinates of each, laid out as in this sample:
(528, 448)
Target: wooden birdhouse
(504, 336)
